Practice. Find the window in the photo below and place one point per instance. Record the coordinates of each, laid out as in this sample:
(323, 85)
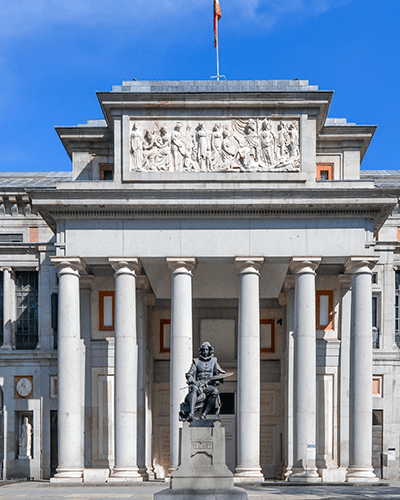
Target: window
(267, 335)
(11, 238)
(375, 322)
(27, 309)
(377, 386)
(324, 309)
(325, 172)
(106, 172)
(106, 310)
(54, 318)
(397, 312)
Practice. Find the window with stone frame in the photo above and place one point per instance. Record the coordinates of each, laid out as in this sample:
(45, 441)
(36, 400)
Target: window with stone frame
(397, 311)
(375, 321)
(1, 308)
(27, 309)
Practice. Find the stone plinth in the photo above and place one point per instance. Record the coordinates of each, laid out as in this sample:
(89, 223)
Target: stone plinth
(202, 473)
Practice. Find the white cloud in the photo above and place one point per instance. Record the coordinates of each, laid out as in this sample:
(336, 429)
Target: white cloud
(21, 17)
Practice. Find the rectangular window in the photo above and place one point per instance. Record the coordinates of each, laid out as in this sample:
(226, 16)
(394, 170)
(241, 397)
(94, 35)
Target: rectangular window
(106, 310)
(106, 172)
(267, 335)
(165, 335)
(11, 238)
(377, 386)
(324, 309)
(397, 312)
(325, 172)
(27, 309)
(375, 322)
(54, 318)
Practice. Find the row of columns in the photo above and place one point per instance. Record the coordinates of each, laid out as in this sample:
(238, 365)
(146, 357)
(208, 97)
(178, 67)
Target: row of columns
(248, 411)
(304, 371)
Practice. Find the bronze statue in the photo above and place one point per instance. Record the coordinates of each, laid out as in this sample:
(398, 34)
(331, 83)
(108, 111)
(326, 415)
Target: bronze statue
(203, 379)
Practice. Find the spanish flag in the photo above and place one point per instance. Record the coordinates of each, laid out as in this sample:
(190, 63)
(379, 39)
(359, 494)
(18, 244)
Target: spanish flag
(217, 17)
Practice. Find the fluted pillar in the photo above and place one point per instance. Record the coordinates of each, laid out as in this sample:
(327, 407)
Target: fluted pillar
(8, 307)
(126, 374)
(360, 445)
(181, 343)
(248, 459)
(305, 370)
(70, 372)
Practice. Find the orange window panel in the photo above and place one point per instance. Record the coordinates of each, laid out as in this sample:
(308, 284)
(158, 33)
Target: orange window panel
(324, 310)
(267, 327)
(106, 309)
(325, 172)
(33, 234)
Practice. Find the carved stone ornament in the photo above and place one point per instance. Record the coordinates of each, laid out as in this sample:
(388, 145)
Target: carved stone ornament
(251, 145)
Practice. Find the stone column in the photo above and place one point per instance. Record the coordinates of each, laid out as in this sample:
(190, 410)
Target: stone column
(360, 445)
(305, 370)
(248, 459)
(8, 307)
(125, 375)
(181, 343)
(142, 285)
(70, 374)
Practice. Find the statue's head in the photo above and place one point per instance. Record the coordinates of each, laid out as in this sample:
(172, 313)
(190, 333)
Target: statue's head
(206, 351)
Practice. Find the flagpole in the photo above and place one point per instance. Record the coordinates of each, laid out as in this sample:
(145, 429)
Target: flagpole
(217, 49)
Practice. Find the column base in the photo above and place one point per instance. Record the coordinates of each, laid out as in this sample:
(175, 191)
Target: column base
(248, 475)
(125, 475)
(305, 476)
(71, 475)
(7, 347)
(361, 475)
(143, 472)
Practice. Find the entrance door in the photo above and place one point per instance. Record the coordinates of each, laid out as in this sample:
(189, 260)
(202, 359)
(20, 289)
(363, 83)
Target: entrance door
(53, 442)
(228, 419)
(377, 441)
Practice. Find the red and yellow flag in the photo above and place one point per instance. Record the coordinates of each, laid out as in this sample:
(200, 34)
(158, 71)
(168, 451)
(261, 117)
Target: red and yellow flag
(217, 17)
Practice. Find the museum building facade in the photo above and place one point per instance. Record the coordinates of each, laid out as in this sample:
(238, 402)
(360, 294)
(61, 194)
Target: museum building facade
(228, 212)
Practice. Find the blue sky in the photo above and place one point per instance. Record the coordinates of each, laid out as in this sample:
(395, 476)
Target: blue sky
(54, 55)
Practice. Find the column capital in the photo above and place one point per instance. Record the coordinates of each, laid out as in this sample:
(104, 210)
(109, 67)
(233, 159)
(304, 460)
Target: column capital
(249, 265)
(181, 265)
(62, 264)
(358, 265)
(123, 264)
(304, 265)
(7, 268)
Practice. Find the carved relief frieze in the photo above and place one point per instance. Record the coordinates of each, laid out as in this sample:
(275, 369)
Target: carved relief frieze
(251, 145)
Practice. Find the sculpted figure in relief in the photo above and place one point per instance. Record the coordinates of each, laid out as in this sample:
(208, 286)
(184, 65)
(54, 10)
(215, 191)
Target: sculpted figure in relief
(216, 145)
(25, 441)
(228, 150)
(282, 143)
(136, 148)
(178, 148)
(294, 146)
(267, 141)
(202, 147)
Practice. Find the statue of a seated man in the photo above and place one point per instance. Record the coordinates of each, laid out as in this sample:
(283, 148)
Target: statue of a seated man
(203, 382)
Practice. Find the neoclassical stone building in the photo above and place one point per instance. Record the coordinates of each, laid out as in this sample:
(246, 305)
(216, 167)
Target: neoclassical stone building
(232, 212)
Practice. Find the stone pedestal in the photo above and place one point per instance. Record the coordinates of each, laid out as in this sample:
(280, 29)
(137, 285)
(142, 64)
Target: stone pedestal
(202, 473)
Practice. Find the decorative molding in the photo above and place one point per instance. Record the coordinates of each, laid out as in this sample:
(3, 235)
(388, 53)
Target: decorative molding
(251, 145)
(312, 212)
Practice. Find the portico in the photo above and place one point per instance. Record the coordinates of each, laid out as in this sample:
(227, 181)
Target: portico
(248, 252)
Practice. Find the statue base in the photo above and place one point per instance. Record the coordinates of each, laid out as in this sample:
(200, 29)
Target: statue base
(202, 473)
